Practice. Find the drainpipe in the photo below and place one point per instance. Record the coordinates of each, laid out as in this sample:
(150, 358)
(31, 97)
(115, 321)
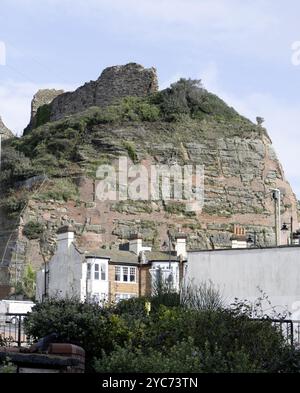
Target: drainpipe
(140, 280)
(180, 271)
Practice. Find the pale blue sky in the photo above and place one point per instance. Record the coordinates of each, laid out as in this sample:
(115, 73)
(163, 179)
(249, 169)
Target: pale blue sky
(241, 49)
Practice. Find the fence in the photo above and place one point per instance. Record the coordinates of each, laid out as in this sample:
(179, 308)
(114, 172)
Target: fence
(12, 330)
(290, 329)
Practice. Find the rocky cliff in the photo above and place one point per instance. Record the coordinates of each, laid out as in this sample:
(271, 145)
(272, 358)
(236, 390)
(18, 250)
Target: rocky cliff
(54, 181)
(114, 83)
(4, 131)
(40, 100)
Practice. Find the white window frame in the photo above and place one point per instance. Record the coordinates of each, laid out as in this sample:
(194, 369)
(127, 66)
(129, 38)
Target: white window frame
(89, 271)
(124, 296)
(97, 272)
(129, 270)
(102, 272)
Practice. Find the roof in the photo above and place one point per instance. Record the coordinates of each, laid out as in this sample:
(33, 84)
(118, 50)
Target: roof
(120, 256)
(246, 249)
(114, 255)
(161, 256)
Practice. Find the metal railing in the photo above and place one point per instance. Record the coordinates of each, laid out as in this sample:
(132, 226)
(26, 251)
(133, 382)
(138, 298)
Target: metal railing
(12, 330)
(289, 329)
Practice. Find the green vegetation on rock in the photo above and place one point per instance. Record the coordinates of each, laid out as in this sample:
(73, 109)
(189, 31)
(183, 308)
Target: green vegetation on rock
(59, 190)
(43, 115)
(33, 230)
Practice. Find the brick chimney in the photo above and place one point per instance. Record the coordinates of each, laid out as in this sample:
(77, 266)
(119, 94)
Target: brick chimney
(180, 246)
(238, 239)
(136, 244)
(65, 237)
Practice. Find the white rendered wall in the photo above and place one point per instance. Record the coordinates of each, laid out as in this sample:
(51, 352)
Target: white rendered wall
(239, 273)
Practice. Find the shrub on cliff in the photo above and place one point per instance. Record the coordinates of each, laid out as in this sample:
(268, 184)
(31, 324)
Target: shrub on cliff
(59, 190)
(33, 230)
(15, 166)
(188, 97)
(26, 286)
(123, 110)
(13, 204)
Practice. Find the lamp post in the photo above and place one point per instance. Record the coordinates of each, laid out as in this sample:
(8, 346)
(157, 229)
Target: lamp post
(276, 194)
(288, 226)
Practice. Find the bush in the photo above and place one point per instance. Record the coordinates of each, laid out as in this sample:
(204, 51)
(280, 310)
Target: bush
(43, 115)
(15, 166)
(60, 190)
(129, 146)
(174, 337)
(26, 286)
(183, 357)
(85, 324)
(188, 97)
(14, 204)
(33, 230)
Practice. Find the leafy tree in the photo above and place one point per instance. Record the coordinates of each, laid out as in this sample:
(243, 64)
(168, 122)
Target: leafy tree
(26, 286)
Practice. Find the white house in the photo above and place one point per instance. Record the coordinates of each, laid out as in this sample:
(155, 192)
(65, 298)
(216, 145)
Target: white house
(108, 274)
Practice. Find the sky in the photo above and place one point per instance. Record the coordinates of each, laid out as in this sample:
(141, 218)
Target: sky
(246, 51)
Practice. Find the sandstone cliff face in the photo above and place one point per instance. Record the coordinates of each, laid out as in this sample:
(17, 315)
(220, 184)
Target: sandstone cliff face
(240, 166)
(239, 174)
(4, 131)
(114, 82)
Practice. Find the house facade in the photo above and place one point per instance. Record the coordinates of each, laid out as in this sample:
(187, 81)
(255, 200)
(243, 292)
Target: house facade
(109, 274)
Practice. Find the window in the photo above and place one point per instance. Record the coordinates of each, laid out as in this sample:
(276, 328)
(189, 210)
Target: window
(132, 274)
(125, 274)
(96, 298)
(124, 296)
(103, 272)
(88, 274)
(96, 275)
(117, 273)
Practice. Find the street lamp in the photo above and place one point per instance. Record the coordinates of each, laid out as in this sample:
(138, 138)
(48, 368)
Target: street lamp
(276, 194)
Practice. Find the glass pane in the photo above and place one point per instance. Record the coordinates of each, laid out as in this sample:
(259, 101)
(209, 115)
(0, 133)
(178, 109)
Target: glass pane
(88, 271)
(132, 274)
(103, 272)
(117, 274)
(125, 273)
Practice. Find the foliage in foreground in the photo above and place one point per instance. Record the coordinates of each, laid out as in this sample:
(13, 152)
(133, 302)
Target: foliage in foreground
(189, 336)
